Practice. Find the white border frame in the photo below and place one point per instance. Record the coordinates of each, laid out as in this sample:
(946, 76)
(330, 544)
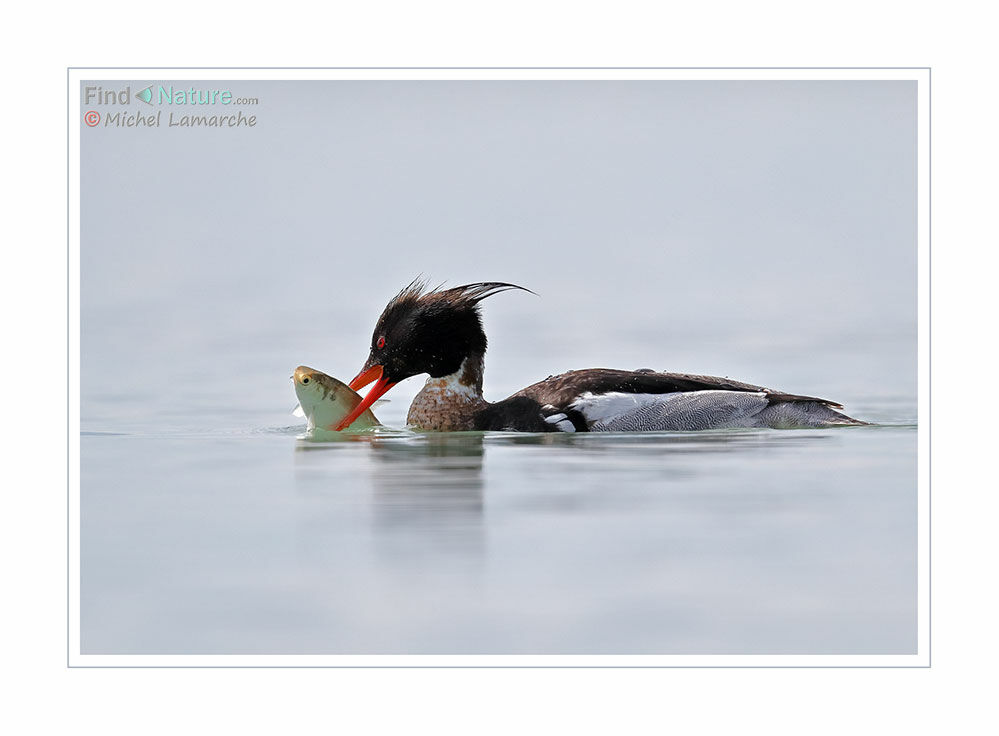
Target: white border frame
(77, 74)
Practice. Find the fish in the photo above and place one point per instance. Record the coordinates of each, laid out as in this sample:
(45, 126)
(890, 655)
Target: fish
(324, 401)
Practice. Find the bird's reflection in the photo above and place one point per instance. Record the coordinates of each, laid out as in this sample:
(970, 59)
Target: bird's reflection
(429, 488)
(426, 491)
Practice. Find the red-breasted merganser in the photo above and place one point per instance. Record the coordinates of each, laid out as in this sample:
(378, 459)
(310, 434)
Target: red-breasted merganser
(439, 332)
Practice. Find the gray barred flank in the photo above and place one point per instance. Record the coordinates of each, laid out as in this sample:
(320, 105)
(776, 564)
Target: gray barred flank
(699, 410)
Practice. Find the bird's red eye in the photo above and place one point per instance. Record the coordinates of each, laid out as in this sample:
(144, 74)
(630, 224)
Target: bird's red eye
(381, 342)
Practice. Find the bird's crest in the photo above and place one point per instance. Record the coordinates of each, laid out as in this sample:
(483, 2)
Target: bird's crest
(418, 294)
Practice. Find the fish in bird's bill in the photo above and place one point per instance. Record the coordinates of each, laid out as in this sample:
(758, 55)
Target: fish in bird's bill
(324, 401)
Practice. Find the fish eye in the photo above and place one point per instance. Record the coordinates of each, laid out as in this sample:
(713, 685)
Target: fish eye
(305, 380)
(381, 342)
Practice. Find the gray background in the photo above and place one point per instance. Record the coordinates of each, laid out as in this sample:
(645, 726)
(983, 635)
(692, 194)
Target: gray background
(681, 225)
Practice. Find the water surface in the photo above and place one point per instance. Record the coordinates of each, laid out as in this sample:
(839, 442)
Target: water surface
(744, 541)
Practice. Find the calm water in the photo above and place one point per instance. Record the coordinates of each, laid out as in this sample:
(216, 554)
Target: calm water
(210, 526)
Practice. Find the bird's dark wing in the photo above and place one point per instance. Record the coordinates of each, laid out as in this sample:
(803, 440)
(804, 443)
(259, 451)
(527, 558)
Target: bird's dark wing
(560, 391)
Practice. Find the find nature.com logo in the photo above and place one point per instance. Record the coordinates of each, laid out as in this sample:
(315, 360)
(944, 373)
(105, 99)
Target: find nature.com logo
(166, 97)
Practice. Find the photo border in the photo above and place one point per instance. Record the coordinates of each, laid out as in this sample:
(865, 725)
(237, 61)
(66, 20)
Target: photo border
(921, 75)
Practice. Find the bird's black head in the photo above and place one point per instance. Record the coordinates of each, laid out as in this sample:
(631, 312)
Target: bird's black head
(425, 331)
(430, 331)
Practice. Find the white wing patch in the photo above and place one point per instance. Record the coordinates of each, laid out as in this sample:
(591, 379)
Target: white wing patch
(561, 422)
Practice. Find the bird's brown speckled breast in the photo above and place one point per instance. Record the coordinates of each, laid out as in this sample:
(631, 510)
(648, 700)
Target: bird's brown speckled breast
(449, 404)
(439, 409)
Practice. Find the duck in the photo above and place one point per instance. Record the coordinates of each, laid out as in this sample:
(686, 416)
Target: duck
(438, 331)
